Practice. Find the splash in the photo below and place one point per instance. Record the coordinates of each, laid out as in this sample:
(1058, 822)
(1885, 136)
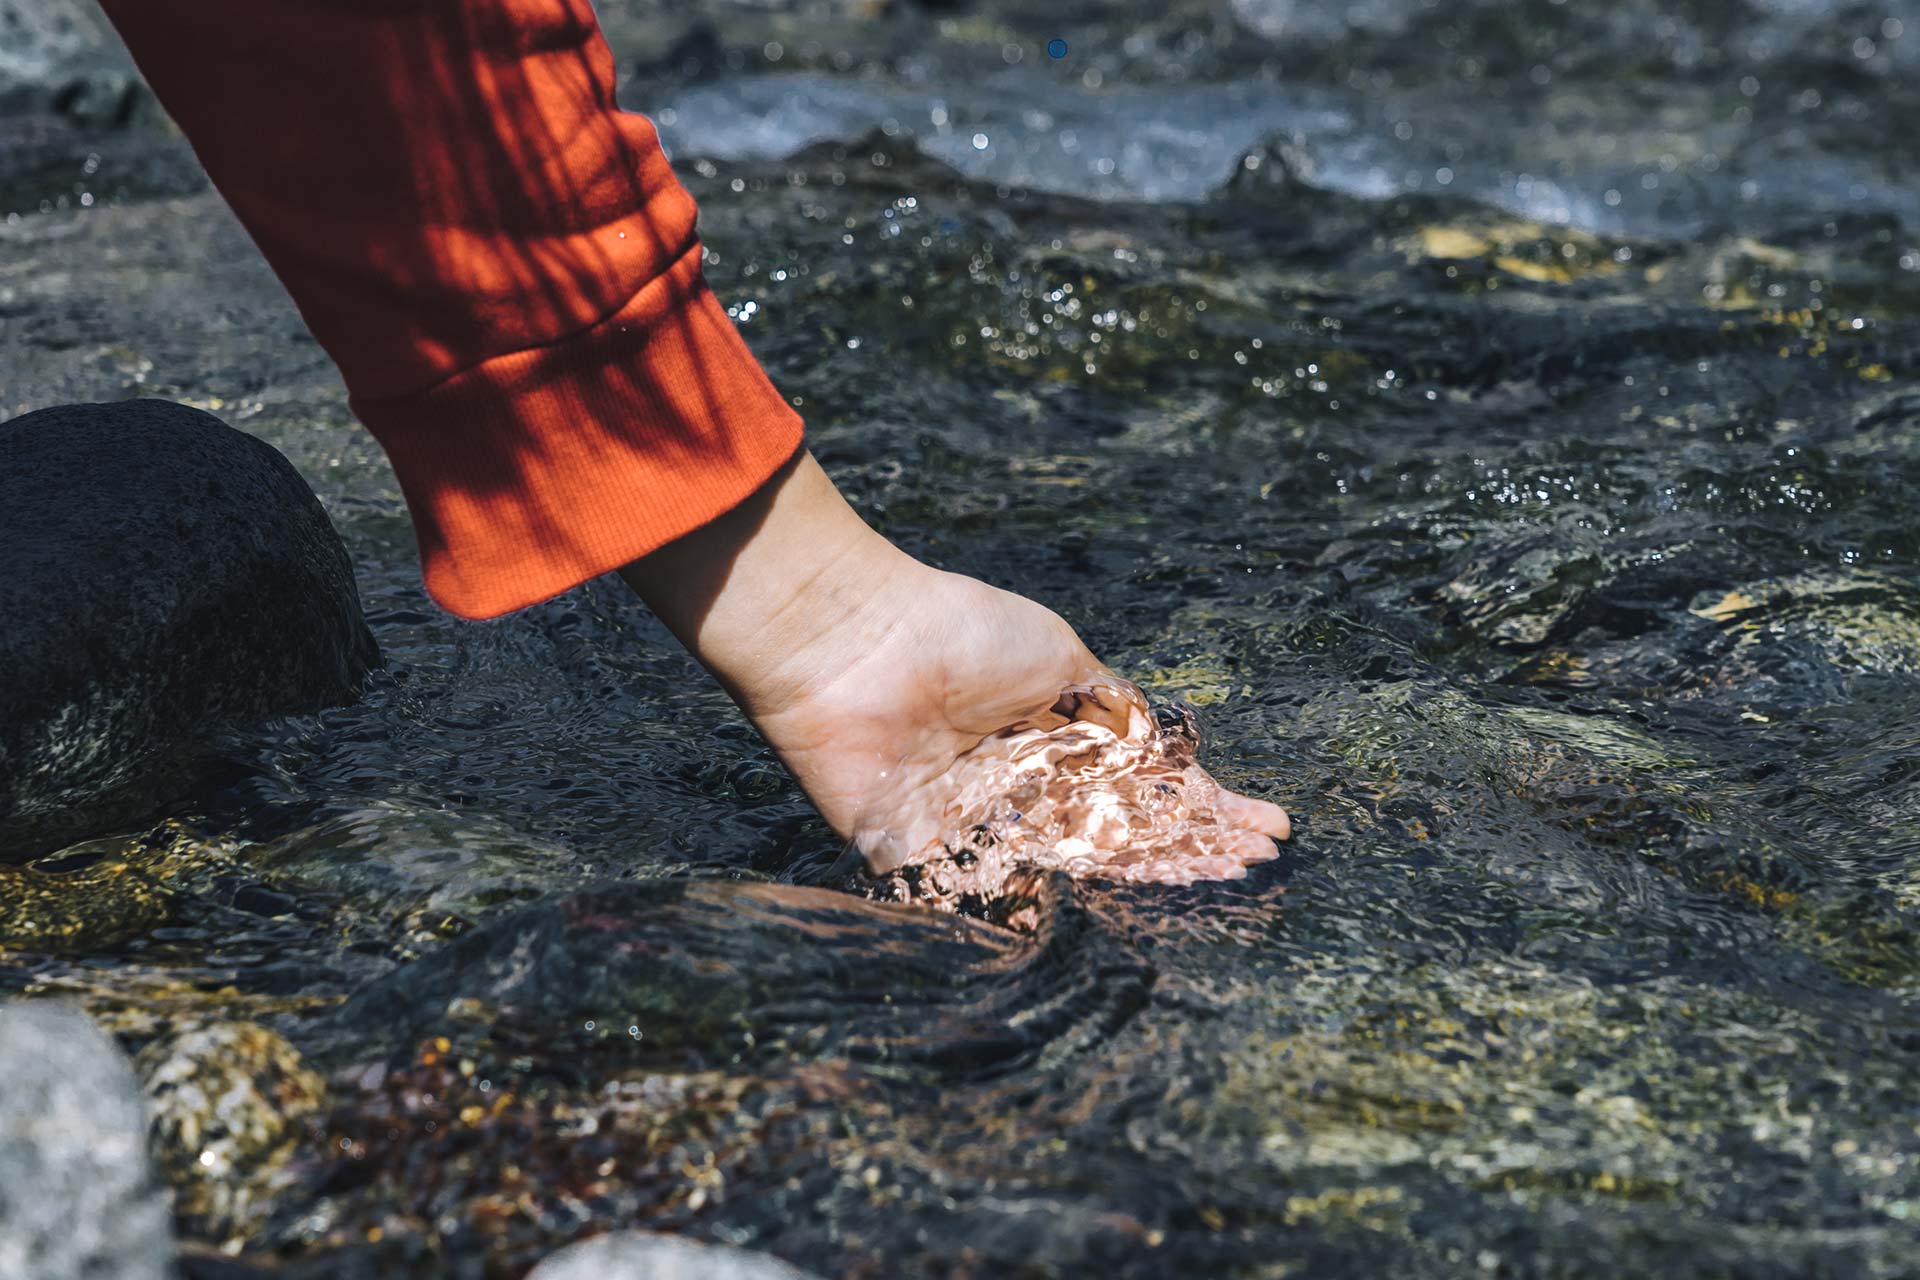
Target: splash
(1115, 792)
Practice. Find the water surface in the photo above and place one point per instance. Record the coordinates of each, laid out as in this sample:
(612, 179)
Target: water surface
(1498, 420)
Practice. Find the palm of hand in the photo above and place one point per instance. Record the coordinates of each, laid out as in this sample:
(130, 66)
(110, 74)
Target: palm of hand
(980, 721)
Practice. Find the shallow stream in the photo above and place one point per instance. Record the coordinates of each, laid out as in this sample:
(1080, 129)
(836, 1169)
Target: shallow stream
(1498, 420)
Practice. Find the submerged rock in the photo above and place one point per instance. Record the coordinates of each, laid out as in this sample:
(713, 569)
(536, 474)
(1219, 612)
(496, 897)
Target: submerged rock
(163, 577)
(698, 973)
(229, 1100)
(414, 877)
(644, 1255)
(87, 911)
(78, 1200)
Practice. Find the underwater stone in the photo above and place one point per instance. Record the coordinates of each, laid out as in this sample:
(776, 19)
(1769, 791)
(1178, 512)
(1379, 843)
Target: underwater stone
(709, 972)
(229, 1100)
(644, 1255)
(163, 577)
(78, 1200)
(74, 913)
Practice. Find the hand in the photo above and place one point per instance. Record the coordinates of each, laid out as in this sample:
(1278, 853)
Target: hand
(920, 709)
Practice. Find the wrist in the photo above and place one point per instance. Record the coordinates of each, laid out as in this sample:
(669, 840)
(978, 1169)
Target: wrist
(769, 596)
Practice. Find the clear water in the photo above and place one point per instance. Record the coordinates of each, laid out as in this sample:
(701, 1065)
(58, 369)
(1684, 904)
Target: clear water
(1541, 536)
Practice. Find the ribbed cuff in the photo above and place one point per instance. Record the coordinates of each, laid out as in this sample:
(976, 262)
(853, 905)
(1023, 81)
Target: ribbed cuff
(532, 472)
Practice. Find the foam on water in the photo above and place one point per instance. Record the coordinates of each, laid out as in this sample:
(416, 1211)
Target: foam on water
(1139, 143)
(1569, 158)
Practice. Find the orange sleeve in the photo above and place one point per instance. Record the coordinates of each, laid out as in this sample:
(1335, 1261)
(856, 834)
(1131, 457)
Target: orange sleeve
(499, 260)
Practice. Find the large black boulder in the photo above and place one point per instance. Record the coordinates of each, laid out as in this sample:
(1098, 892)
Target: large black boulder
(163, 577)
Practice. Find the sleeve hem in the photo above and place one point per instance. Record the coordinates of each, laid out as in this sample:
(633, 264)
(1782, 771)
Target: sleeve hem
(532, 472)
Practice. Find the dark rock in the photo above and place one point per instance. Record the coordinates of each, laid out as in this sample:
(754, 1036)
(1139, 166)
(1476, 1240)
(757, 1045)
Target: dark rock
(78, 1199)
(163, 577)
(703, 973)
(1282, 161)
(645, 1255)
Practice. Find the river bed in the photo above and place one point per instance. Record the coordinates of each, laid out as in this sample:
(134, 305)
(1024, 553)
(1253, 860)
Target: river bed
(1498, 421)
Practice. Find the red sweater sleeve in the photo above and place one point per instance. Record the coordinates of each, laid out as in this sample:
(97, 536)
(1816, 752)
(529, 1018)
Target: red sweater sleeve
(498, 259)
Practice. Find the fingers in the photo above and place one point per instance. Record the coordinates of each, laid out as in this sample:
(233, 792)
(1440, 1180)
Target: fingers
(1212, 866)
(1249, 814)
(1248, 846)
(1110, 702)
(1225, 854)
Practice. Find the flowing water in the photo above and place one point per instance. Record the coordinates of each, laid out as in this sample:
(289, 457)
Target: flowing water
(1497, 420)
(1115, 793)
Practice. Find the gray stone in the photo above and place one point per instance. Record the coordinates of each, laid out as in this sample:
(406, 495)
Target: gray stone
(62, 55)
(78, 1198)
(163, 577)
(643, 1255)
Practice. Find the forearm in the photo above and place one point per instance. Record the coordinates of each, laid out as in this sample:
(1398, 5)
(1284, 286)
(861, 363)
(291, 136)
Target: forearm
(500, 262)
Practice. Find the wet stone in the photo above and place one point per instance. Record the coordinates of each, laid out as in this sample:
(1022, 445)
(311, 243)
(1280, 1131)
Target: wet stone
(703, 972)
(165, 577)
(78, 1199)
(643, 1255)
(230, 1102)
(87, 911)
(446, 1159)
(410, 878)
